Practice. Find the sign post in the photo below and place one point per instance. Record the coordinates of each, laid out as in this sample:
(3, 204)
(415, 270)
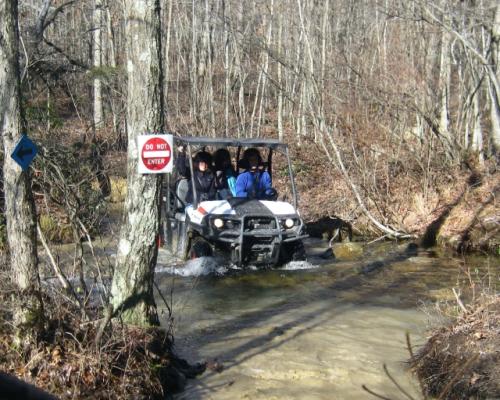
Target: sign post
(155, 154)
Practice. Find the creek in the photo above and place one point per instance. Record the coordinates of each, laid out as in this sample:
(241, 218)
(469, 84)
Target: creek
(312, 330)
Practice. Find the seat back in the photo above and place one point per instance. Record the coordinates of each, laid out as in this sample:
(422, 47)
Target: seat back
(181, 191)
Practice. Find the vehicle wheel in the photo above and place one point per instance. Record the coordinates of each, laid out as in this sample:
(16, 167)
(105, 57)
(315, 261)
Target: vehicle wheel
(292, 252)
(299, 251)
(200, 248)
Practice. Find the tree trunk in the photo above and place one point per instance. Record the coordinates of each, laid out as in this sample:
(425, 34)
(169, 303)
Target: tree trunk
(97, 54)
(227, 82)
(194, 64)
(132, 287)
(265, 68)
(280, 79)
(167, 49)
(444, 87)
(19, 204)
(111, 61)
(494, 95)
(477, 132)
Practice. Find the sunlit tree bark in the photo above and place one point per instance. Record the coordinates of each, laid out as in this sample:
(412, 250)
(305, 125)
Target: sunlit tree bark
(132, 287)
(493, 91)
(97, 51)
(19, 204)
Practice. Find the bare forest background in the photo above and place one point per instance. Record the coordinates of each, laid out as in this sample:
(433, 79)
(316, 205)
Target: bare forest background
(390, 106)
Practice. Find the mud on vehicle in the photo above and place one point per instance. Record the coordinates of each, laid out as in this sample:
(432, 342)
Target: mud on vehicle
(244, 231)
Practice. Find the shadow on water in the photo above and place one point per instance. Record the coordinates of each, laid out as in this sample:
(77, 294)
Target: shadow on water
(319, 296)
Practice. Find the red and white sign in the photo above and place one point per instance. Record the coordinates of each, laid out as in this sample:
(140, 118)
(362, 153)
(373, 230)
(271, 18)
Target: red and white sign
(155, 154)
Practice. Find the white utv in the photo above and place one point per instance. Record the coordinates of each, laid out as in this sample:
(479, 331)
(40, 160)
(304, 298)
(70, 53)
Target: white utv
(244, 231)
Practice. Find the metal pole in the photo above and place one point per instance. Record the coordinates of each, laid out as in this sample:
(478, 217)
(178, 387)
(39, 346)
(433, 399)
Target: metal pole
(270, 164)
(195, 195)
(290, 171)
(167, 224)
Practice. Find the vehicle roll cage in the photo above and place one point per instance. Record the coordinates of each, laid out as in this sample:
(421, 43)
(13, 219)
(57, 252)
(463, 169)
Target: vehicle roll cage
(194, 144)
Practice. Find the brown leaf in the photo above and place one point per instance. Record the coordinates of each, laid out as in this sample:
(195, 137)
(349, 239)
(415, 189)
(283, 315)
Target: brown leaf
(479, 335)
(475, 377)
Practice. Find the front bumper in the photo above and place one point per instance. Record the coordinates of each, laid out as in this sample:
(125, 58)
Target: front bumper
(255, 239)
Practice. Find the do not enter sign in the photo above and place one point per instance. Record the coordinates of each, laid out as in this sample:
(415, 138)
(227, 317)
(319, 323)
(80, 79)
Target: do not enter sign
(155, 154)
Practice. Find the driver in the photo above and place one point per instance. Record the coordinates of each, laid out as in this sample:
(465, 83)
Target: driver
(255, 182)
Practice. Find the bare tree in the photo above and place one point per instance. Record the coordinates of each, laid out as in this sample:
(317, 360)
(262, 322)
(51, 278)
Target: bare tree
(132, 287)
(19, 204)
(98, 55)
(493, 88)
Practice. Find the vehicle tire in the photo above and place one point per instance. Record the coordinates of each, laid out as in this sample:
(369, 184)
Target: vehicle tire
(292, 252)
(200, 248)
(299, 251)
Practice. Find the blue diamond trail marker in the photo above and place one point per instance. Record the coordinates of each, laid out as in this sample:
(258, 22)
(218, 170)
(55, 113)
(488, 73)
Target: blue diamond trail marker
(24, 152)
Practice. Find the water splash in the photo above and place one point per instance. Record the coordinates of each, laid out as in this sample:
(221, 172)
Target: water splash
(205, 266)
(202, 266)
(295, 265)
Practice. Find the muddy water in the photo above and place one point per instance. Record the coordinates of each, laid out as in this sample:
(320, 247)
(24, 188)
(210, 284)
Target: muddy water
(316, 330)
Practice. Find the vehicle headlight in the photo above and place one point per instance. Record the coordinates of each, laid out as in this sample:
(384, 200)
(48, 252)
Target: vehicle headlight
(218, 223)
(289, 223)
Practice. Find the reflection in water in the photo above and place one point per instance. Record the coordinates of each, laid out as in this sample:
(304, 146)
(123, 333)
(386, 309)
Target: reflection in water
(317, 330)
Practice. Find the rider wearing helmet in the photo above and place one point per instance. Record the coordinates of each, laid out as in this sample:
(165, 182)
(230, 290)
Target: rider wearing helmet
(255, 182)
(204, 179)
(225, 176)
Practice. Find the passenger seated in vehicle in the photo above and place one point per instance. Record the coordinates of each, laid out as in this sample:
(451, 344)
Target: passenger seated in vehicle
(204, 179)
(225, 176)
(255, 182)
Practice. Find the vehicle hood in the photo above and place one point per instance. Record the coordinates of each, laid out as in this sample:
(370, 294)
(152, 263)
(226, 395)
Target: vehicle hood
(240, 206)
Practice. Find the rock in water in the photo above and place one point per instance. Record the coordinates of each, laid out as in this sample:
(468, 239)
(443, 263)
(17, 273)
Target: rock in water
(347, 251)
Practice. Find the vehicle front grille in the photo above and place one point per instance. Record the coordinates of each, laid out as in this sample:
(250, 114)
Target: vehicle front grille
(258, 250)
(253, 223)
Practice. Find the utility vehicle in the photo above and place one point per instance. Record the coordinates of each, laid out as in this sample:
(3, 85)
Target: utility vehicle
(244, 231)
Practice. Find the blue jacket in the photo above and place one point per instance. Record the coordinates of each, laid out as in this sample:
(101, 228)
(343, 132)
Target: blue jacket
(253, 184)
(226, 180)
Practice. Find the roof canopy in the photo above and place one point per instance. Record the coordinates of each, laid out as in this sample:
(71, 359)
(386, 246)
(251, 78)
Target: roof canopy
(230, 142)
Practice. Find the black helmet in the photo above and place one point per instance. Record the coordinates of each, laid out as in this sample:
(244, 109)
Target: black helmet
(252, 152)
(221, 156)
(203, 156)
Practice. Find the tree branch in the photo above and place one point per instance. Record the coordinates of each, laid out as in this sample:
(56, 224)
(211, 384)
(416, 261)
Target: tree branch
(55, 13)
(72, 61)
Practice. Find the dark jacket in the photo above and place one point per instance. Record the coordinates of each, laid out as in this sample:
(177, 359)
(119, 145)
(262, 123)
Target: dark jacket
(205, 186)
(182, 165)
